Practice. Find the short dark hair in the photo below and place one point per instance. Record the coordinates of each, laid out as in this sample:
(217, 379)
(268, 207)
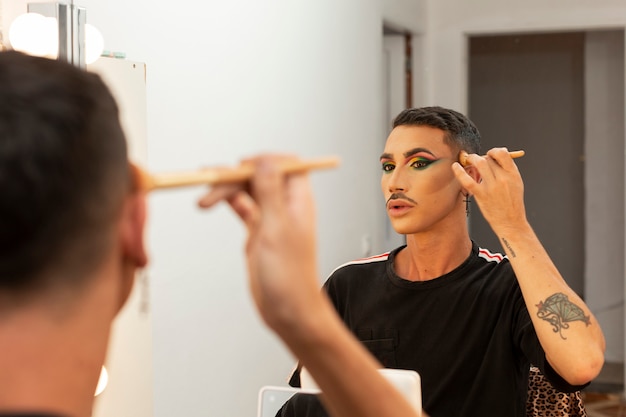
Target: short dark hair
(461, 133)
(63, 171)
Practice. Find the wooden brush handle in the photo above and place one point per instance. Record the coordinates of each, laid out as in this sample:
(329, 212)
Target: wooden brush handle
(214, 176)
(463, 156)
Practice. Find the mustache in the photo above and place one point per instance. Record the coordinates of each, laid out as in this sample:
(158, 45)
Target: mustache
(400, 196)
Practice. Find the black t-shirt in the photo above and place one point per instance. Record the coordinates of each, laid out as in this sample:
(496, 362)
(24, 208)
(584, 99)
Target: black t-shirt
(467, 333)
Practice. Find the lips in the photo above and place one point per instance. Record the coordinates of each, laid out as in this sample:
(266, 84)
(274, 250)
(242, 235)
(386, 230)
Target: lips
(398, 207)
(398, 204)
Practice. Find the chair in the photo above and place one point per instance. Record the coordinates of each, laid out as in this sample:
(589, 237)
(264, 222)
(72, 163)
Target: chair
(545, 401)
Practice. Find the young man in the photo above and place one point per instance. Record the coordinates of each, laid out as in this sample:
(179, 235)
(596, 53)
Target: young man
(72, 215)
(469, 321)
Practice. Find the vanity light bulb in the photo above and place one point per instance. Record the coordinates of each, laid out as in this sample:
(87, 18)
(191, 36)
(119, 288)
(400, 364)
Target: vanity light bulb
(35, 34)
(102, 382)
(94, 43)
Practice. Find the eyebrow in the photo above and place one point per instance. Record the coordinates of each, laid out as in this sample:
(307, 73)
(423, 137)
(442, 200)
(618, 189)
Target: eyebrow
(408, 153)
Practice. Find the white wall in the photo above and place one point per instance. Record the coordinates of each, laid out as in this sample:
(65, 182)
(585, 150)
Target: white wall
(405, 15)
(226, 79)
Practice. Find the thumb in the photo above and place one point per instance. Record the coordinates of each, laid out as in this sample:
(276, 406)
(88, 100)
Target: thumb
(245, 207)
(466, 180)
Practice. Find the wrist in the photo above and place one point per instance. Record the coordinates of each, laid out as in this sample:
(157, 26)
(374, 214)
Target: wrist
(512, 229)
(306, 324)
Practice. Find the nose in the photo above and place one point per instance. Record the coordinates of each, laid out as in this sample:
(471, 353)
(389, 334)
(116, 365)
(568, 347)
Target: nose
(396, 181)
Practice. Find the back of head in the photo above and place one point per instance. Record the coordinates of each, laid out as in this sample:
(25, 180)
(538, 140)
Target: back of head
(461, 133)
(63, 173)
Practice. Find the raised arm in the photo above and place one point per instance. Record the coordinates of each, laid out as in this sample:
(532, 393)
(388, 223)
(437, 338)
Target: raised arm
(278, 212)
(567, 330)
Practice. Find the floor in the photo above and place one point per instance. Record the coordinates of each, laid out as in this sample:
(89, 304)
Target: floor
(605, 405)
(605, 396)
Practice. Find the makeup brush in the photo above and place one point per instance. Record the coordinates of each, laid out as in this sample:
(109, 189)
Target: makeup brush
(463, 156)
(214, 176)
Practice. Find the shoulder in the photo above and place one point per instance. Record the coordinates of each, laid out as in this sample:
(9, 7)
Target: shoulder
(492, 269)
(489, 256)
(371, 260)
(358, 267)
(26, 414)
(487, 262)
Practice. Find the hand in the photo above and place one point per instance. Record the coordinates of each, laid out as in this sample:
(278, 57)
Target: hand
(278, 211)
(500, 191)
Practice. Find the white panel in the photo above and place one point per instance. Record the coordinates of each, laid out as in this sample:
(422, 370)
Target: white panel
(129, 360)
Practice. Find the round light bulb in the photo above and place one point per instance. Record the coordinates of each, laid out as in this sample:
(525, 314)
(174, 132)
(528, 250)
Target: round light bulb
(52, 37)
(35, 34)
(102, 381)
(94, 43)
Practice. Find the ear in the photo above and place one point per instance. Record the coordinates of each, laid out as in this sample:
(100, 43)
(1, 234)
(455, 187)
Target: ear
(132, 225)
(472, 172)
(132, 246)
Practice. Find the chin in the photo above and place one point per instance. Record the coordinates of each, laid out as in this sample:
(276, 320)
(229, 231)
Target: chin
(403, 228)
(405, 232)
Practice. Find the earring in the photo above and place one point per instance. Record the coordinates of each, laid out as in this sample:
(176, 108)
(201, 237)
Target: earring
(468, 200)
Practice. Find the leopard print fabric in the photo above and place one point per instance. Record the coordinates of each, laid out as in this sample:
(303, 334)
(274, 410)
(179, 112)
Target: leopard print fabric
(545, 401)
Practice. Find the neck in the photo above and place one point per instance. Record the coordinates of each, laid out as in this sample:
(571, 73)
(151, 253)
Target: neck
(431, 255)
(53, 350)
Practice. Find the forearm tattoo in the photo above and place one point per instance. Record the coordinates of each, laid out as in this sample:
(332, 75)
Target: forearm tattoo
(507, 246)
(558, 310)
